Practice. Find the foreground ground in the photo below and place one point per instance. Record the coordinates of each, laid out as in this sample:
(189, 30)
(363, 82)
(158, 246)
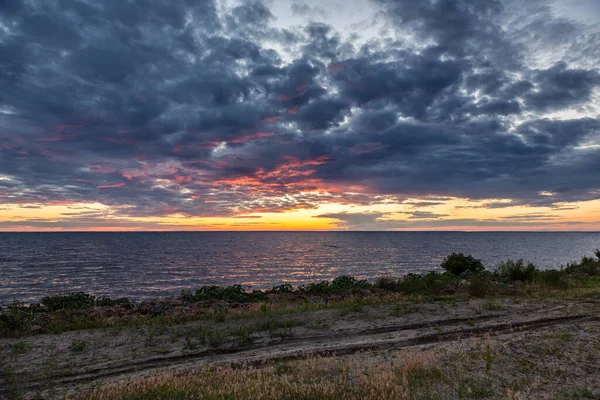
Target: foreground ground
(520, 347)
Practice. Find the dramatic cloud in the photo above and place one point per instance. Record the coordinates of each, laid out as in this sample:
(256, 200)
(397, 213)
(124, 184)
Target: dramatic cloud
(207, 109)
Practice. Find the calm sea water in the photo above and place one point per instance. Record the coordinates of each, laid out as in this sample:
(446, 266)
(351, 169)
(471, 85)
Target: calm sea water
(152, 264)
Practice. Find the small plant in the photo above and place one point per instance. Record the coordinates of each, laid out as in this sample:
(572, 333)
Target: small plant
(243, 336)
(458, 263)
(438, 329)
(492, 305)
(20, 347)
(470, 388)
(401, 309)
(77, 345)
(488, 357)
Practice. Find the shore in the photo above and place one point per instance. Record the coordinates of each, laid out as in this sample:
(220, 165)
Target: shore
(519, 340)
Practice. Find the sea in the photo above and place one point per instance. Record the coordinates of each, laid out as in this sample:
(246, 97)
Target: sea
(148, 265)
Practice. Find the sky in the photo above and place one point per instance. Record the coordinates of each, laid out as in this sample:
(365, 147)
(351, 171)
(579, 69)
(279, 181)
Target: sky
(299, 114)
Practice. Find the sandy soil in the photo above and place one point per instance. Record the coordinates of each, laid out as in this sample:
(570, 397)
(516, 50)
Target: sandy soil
(71, 363)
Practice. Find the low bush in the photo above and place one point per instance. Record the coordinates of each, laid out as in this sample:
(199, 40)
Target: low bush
(587, 266)
(511, 271)
(432, 283)
(285, 288)
(340, 284)
(385, 283)
(79, 300)
(230, 293)
(481, 285)
(17, 319)
(72, 301)
(458, 263)
(552, 278)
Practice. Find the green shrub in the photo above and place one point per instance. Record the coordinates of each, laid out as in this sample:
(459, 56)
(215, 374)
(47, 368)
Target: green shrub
(17, 319)
(480, 285)
(431, 283)
(510, 271)
(345, 283)
(285, 288)
(340, 284)
(587, 266)
(108, 302)
(457, 264)
(231, 293)
(72, 301)
(597, 254)
(78, 301)
(552, 278)
(77, 345)
(386, 283)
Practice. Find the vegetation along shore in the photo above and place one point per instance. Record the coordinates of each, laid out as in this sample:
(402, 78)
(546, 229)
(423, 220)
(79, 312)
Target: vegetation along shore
(513, 332)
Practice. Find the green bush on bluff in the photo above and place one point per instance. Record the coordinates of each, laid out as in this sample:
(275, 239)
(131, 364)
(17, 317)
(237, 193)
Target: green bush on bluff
(457, 264)
(511, 271)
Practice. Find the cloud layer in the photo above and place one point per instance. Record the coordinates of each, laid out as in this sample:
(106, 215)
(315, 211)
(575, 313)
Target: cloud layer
(204, 109)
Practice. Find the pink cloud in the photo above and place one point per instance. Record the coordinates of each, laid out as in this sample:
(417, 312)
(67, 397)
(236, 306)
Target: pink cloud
(112, 185)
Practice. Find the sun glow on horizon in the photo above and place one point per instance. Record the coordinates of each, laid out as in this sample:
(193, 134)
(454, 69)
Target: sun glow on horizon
(409, 214)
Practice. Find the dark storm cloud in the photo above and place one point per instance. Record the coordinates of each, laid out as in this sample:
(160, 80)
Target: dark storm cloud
(559, 87)
(157, 108)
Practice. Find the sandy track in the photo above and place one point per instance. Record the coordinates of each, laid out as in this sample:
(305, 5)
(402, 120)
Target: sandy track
(49, 367)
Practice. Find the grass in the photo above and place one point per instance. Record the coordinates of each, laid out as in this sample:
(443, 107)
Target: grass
(317, 378)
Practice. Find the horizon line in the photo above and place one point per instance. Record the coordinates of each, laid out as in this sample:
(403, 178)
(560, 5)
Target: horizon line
(308, 230)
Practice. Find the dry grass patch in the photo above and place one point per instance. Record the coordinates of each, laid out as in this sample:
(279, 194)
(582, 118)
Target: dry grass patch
(397, 376)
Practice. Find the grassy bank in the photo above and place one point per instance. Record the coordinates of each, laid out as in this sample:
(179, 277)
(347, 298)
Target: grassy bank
(464, 278)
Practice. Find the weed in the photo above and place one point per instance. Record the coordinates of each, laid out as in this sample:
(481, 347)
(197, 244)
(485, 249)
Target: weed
(243, 336)
(488, 357)
(470, 388)
(492, 305)
(355, 306)
(20, 347)
(401, 309)
(78, 345)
